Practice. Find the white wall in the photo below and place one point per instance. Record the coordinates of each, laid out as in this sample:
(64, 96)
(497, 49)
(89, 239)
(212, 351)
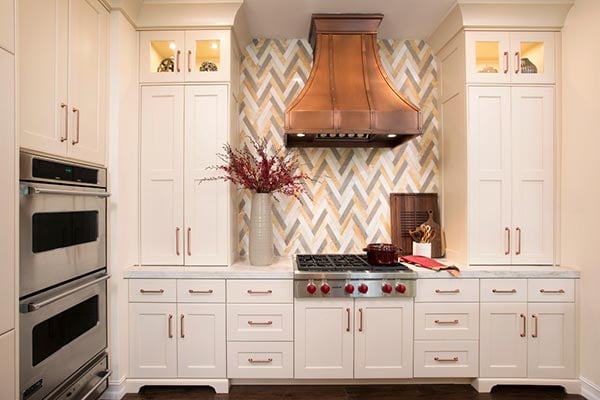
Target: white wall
(123, 169)
(581, 172)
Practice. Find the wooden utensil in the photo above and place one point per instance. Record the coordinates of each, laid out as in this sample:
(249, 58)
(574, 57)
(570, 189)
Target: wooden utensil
(436, 242)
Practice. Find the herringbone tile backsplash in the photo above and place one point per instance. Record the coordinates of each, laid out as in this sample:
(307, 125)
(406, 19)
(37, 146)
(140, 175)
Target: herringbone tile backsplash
(349, 205)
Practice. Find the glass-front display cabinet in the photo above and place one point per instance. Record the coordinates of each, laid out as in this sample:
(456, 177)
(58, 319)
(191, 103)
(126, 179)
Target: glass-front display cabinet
(185, 56)
(510, 57)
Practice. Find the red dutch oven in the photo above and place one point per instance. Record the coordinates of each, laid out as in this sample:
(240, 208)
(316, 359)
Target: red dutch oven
(382, 253)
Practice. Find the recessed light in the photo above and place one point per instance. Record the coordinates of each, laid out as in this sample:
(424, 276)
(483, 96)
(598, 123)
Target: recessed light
(391, 135)
(172, 45)
(214, 45)
(300, 135)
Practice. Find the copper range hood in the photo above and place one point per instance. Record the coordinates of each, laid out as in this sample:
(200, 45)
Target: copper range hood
(348, 100)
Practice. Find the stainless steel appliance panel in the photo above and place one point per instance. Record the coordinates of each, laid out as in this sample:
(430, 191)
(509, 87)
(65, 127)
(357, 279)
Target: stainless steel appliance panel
(86, 384)
(61, 330)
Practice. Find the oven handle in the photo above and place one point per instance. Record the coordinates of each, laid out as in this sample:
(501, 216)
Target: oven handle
(29, 190)
(27, 308)
(107, 373)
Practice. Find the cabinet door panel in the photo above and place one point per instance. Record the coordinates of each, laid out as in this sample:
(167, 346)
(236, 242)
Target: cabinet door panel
(503, 349)
(43, 35)
(489, 162)
(162, 176)
(532, 57)
(323, 339)
(8, 367)
(551, 351)
(161, 56)
(7, 25)
(533, 175)
(487, 56)
(152, 340)
(201, 342)
(206, 203)
(88, 55)
(383, 338)
(206, 50)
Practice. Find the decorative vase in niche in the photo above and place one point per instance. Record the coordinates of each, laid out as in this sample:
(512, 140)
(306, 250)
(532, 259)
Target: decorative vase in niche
(261, 230)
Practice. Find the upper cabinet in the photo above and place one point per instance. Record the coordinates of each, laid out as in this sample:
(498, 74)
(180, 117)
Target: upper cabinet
(510, 57)
(185, 56)
(63, 50)
(7, 25)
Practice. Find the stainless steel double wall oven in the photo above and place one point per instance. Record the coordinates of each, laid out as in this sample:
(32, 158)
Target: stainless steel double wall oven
(63, 279)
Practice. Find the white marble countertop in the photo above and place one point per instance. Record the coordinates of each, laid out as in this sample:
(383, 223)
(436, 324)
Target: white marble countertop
(282, 268)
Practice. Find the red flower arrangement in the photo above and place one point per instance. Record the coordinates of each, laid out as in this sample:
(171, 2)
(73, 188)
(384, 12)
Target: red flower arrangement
(260, 171)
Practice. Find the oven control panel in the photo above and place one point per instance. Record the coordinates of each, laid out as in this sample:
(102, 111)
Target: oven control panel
(354, 288)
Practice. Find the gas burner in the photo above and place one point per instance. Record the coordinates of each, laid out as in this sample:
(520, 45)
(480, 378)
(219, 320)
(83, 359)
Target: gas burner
(342, 263)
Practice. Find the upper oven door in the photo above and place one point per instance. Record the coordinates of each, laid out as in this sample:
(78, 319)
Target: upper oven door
(62, 234)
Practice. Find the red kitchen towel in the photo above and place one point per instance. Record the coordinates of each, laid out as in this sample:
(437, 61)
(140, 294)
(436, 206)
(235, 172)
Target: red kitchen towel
(422, 261)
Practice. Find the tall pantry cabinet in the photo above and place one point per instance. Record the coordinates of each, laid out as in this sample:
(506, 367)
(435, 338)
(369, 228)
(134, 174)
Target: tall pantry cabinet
(8, 180)
(189, 95)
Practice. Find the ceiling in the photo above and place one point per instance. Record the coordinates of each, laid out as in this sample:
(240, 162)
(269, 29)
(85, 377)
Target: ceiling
(403, 19)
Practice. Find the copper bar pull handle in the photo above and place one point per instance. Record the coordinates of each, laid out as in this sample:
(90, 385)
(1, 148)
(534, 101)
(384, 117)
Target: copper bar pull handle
(360, 320)
(507, 251)
(535, 326)
(518, 60)
(189, 60)
(159, 291)
(559, 291)
(260, 322)
(253, 361)
(251, 291)
(189, 241)
(524, 332)
(439, 291)
(348, 321)
(170, 326)
(178, 54)
(66, 107)
(453, 359)
(192, 291)
(438, 321)
(518, 241)
(504, 291)
(76, 111)
(177, 241)
(506, 62)
(181, 323)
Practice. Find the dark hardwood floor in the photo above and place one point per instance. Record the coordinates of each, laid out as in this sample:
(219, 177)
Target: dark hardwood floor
(352, 392)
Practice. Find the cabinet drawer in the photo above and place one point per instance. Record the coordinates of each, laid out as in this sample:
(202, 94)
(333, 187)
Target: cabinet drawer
(503, 290)
(551, 290)
(442, 321)
(152, 290)
(446, 359)
(447, 290)
(201, 290)
(260, 360)
(260, 291)
(257, 322)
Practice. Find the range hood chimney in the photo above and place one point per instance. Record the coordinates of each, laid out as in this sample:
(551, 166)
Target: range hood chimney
(348, 100)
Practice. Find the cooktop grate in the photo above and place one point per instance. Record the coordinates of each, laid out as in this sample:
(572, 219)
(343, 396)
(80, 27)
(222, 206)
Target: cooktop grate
(342, 263)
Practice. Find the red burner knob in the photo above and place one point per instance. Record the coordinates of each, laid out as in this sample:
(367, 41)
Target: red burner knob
(363, 288)
(311, 288)
(400, 288)
(387, 288)
(349, 288)
(325, 288)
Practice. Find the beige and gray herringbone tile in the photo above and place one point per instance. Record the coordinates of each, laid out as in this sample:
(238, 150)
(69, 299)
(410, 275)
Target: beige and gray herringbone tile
(349, 205)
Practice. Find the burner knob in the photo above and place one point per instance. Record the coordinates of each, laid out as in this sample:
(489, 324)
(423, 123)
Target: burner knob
(349, 288)
(311, 288)
(400, 288)
(325, 288)
(363, 288)
(387, 288)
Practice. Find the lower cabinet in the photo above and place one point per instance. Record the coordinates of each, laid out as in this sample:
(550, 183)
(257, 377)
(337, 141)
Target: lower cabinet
(529, 339)
(362, 338)
(176, 340)
(7, 368)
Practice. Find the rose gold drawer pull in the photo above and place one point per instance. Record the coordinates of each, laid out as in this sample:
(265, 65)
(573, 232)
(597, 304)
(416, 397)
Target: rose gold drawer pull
(454, 321)
(260, 323)
(360, 324)
(505, 62)
(535, 326)
(447, 291)
(348, 322)
(250, 291)
(504, 291)
(170, 326)
(66, 107)
(560, 291)
(181, 326)
(524, 333)
(518, 241)
(192, 291)
(177, 241)
(253, 361)
(507, 251)
(453, 359)
(159, 291)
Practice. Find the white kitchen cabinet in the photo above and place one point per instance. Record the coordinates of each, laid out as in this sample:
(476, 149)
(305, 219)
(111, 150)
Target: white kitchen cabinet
(7, 368)
(8, 179)
(7, 25)
(343, 339)
(510, 57)
(533, 340)
(185, 56)
(175, 340)
(511, 159)
(63, 51)
(183, 221)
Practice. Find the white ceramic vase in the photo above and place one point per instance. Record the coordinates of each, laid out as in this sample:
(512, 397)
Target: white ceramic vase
(261, 230)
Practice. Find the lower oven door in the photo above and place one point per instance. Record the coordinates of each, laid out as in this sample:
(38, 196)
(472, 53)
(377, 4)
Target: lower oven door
(60, 331)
